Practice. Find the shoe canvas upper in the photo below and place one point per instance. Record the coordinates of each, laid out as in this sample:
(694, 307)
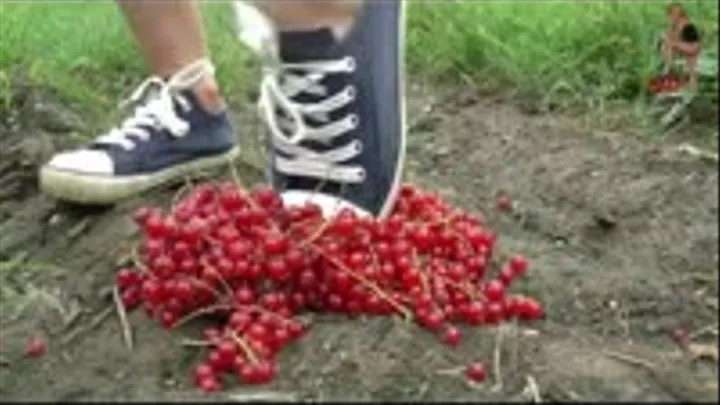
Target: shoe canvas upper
(335, 110)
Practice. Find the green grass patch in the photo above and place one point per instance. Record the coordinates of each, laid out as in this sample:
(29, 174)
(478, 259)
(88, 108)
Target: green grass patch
(83, 49)
(17, 276)
(599, 48)
(583, 50)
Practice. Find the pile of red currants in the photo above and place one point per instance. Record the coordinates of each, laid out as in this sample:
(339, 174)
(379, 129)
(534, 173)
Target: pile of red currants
(243, 259)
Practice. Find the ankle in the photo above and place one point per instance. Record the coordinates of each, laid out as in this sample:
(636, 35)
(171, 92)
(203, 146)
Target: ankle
(209, 95)
(312, 15)
(339, 29)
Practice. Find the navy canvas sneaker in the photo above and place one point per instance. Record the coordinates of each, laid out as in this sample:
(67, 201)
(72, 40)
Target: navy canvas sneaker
(335, 110)
(169, 136)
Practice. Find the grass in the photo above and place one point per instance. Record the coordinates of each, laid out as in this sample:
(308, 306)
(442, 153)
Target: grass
(585, 50)
(84, 50)
(598, 48)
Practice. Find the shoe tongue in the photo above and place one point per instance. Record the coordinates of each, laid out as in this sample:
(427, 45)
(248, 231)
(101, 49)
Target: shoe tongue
(304, 46)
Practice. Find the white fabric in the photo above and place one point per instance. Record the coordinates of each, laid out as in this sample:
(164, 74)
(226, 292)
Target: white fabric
(329, 205)
(83, 160)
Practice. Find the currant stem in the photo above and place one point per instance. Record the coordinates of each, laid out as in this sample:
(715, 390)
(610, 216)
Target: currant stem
(443, 221)
(423, 274)
(243, 191)
(218, 276)
(196, 343)
(137, 262)
(200, 312)
(377, 290)
(187, 185)
(317, 234)
(262, 310)
(464, 288)
(202, 284)
(249, 352)
(451, 371)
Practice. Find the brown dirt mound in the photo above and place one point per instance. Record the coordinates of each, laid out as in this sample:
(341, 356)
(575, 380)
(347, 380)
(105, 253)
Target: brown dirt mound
(622, 233)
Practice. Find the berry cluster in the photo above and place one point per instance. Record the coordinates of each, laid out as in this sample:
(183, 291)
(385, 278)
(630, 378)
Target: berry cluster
(665, 84)
(253, 264)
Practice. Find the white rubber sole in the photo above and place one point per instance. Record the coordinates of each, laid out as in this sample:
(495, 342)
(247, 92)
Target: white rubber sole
(329, 205)
(97, 189)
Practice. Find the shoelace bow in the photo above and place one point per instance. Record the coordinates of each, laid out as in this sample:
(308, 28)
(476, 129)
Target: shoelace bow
(158, 110)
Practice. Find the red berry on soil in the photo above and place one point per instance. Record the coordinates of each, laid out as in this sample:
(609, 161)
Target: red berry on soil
(275, 244)
(265, 372)
(155, 227)
(512, 306)
(530, 309)
(248, 374)
(203, 371)
(184, 290)
(126, 278)
(680, 336)
(210, 384)
(35, 347)
(495, 291)
(476, 372)
(452, 336)
(244, 296)
(130, 298)
(474, 313)
(227, 351)
(507, 276)
(519, 265)
(504, 203)
(141, 214)
(217, 361)
(296, 329)
(168, 319)
(495, 312)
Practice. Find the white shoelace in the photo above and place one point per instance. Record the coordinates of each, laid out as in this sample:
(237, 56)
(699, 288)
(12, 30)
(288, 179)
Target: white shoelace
(158, 111)
(258, 32)
(279, 85)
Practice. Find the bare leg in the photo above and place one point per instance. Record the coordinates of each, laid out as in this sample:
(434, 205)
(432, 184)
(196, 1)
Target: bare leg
(294, 15)
(170, 36)
(668, 58)
(692, 62)
(170, 33)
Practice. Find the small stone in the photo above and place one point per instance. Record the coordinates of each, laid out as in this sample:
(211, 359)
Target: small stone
(441, 151)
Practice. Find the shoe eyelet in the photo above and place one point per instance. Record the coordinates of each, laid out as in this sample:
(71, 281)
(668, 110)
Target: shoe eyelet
(357, 146)
(354, 121)
(350, 92)
(350, 63)
(361, 174)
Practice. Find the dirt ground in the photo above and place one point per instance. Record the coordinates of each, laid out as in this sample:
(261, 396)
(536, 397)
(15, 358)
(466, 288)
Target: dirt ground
(622, 233)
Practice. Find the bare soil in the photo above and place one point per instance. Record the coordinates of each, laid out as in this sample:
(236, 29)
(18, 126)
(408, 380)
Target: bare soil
(622, 233)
